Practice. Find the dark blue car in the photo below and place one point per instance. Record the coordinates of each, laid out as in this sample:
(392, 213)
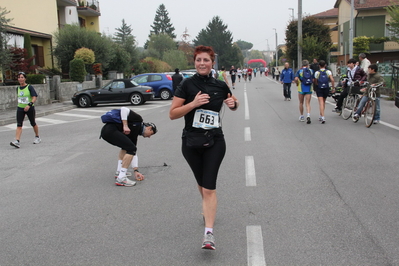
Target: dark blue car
(161, 84)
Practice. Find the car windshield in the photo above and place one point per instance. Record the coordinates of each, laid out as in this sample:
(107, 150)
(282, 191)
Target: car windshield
(134, 82)
(106, 87)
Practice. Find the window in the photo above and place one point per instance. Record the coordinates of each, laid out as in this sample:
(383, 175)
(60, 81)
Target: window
(156, 78)
(141, 79)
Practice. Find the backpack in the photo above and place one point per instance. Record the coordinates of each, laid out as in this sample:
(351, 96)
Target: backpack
(113, 116)
(306, 76)
(323, 80)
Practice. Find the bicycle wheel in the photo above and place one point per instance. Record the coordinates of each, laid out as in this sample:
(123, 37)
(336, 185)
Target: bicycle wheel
(369, 112)
(347, 109)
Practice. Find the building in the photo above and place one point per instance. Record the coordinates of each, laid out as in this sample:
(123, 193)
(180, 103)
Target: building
(371, 20)
(330, 18)
(41, 19)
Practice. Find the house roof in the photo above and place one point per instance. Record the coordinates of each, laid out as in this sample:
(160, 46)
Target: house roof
(20, 31)
(367, 4)
(331, 13)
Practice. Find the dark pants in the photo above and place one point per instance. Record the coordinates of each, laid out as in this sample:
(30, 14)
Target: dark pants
(205, 162)
(111, 134)
(287, 90)
(31, 113)
(344, 93)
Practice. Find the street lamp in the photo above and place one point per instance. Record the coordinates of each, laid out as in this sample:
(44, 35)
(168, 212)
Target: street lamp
(292, 12)
(276, 47)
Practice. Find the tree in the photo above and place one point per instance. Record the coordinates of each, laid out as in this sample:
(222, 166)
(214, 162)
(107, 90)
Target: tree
(124, 38)
(244, 45)
(161, 43)
(72, 37)
(28, 46)
(315, 35)
(162, 24)
(220, 39)
(5, 54)
(175, 58)
(121, 61)
(393, 26)
(122, 33)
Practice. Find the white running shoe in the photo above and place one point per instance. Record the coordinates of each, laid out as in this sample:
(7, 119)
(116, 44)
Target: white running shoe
(15, 144)
(37, 140)
(302, 118)
(209, 241)
(124, 182)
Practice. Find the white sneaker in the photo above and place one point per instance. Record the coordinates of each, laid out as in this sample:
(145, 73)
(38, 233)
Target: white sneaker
(124, 182)
(376, 122)
(15, 143)
(37, 140)
(302, 118)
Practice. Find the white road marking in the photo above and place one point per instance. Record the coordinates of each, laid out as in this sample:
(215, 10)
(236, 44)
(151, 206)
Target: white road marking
(247, 134)
(77, 115)
(246, 108)
(250, 176)
(255, 252)
(50, 121)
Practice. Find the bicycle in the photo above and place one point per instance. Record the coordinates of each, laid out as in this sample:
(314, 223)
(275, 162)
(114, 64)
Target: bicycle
(349, 102)
(370, 106)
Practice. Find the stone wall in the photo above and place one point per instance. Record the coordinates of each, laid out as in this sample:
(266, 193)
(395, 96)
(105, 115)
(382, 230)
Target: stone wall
(63, 92)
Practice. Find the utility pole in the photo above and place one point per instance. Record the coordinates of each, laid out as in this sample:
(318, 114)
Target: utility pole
(276, 49)
(351, 26)
(292, 12)
(300, 34)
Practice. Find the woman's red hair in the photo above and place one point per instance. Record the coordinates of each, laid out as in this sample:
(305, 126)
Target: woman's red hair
(204, 49)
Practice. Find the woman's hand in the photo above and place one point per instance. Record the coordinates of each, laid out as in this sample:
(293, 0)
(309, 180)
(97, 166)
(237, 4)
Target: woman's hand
(201, 99)
(231, 102)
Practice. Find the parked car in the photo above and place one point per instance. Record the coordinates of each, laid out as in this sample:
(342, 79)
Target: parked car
(160, 82)
(116, 91)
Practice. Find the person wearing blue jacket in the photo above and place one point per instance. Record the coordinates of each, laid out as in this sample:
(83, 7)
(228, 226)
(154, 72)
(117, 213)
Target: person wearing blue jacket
(286, 78)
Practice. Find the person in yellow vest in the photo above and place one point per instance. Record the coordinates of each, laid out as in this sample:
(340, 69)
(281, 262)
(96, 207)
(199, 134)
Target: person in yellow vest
(26, 99)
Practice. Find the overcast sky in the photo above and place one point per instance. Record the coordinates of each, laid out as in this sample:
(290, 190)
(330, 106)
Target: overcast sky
(248, 20)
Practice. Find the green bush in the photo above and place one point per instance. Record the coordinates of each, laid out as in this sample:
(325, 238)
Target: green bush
(77, 71)
(35, 78)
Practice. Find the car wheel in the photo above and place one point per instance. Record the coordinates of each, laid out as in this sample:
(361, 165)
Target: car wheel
(165, 94)
(136, 98)
(84, 101)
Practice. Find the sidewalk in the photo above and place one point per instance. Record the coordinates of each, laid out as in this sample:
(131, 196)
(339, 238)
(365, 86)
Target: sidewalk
(8, 116)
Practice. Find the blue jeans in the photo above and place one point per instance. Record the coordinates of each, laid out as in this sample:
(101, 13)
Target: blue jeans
(363, 101)
(287, 90)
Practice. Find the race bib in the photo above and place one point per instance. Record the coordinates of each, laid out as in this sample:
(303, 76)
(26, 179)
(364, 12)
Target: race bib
(23, 100)
(206, 119)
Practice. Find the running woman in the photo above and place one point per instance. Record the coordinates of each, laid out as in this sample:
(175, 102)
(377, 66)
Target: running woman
(27, 97)
(196, 97)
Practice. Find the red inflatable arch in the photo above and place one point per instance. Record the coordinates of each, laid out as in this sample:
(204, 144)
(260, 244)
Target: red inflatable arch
(257, 61)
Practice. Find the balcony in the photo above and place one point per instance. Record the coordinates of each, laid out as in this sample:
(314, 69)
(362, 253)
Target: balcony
(66, 3)
(89, 8)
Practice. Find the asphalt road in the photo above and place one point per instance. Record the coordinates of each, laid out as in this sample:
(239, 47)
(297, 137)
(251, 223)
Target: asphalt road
(289, 193)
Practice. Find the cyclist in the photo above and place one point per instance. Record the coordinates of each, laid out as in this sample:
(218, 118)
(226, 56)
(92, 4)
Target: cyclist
(373, 79)
(355, 74)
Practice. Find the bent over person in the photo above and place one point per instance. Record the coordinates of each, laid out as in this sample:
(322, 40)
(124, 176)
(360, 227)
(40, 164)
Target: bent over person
(199, 99)
(27, 97)
(124, 135)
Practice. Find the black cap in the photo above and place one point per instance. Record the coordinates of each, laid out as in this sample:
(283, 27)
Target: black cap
(152, 125)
